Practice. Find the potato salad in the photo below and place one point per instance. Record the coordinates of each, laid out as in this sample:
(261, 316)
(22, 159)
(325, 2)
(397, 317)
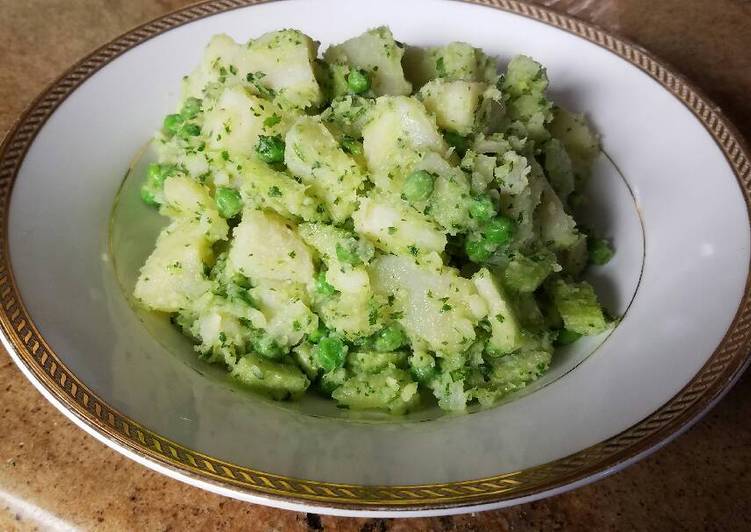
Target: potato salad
(384, 225)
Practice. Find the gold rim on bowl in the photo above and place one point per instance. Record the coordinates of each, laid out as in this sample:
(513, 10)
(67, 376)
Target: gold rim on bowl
(714, 379)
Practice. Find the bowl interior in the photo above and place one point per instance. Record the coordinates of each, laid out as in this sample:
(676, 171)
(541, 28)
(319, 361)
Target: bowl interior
(693, 268)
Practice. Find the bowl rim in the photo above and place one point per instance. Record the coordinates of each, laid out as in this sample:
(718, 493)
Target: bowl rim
(59, 385)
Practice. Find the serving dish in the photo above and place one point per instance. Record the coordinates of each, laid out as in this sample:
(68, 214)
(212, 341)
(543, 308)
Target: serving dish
(679, 347)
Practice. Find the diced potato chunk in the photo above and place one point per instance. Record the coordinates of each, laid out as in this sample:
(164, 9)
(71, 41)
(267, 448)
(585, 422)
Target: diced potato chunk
(512, 372)
(236, 121)
(372, 362)
(449, 201)
(286, 59)
(349, 114)
(525, 76)
(581, 143)
(262, 186)
(455, 61)
(512, 174)
(278, 64)
(399, 130)
(347, 312)
(173, 275)
(188, 200)
(221, 52)
(525, 273)
(314, 155)
(265, 247)
(558, 168)
(439, 307)
(378, 53)
(324, 239)
(218, 325)
(574, 259)
(394, 227)
(577, 303)
(284, 307)
(391, 389)
(506, 334)
(278, 380)
(521, 207)
(556, 226)
(454, 103)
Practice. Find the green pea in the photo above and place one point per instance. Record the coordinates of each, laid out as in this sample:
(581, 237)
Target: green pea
(228, 202)
(347, 254)
(191, 108)
(358, 81)
(477, 250)
(461, 144)
(566, 337)
(270, 149)
(323, 287)
(331, 353)
(318, 334)
(498, 231)
(389, 339)
(423, 374)
(351, 146)
(155, 176)
(482, 209)
(148, 197)
(600, 251)
(157, 173)
(172, 123)
(265, 346)
(418, 186)
(189, 130)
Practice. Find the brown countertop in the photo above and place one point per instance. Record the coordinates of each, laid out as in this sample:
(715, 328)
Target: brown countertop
(54, 476)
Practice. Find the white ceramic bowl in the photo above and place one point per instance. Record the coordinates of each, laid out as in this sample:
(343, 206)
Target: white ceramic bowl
(671, 189)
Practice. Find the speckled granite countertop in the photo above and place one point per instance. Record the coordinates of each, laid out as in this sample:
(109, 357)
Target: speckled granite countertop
(54, 476)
